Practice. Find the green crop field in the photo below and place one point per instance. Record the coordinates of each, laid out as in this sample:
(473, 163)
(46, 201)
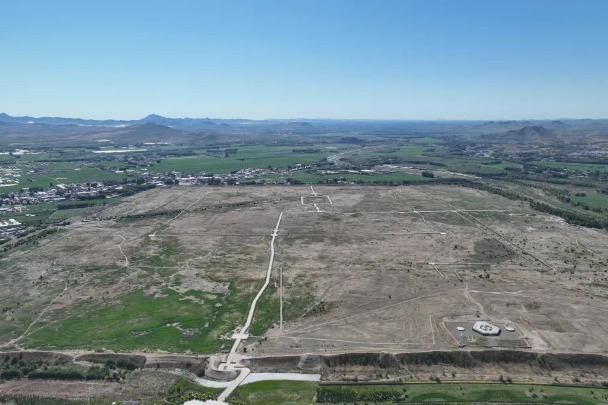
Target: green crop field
(291, 392)
(426, 140)
(61, 174)
(583, 167)
(277, 392)
(248, 157)
(408, 151)
(593, 199)
(362, 178)
(82, 175)
(502, 165)
(37, 213)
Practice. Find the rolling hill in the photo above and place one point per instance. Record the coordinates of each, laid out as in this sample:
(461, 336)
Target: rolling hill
(530, 134)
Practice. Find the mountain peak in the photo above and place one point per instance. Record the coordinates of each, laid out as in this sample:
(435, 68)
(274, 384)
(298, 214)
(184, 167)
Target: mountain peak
(148, 124)
(531, 133)
(152, 117)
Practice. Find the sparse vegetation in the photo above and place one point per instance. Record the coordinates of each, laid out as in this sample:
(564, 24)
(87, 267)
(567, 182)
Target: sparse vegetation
(176, 269)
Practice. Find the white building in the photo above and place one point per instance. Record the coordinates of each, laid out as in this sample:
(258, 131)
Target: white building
(486, 328)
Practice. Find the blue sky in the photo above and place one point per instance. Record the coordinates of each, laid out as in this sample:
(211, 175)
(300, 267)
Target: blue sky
(381, 59)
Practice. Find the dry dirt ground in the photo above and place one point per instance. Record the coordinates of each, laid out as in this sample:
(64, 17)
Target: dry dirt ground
(363, 268)
(142, 385)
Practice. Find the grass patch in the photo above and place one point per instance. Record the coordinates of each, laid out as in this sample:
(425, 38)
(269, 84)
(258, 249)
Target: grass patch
(573, 166)
(277, 392)
(502, 165)
(485, 393)
(266, 311)
(165, 253)
(299, 299)
(166, 321)
(183, 386)
(298, 392)
(137, 321)
(593, 199)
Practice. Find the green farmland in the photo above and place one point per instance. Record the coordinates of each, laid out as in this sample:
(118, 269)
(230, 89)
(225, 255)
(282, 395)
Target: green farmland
(290, 392)
(350, 177)
(248, 157)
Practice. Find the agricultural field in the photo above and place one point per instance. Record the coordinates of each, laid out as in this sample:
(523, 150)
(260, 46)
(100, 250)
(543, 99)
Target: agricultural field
(581, 167)
(37, 214)
(248, 157)
(311, 178)
(592, 198)
(272, 392)
(357, 268)
(25, 173)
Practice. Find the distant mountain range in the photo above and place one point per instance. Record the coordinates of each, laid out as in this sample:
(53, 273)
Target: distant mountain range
(156, 128)
(531, 134)
(152, 128)
(152, 118)
(147, 132)
(188, 124)
(208, 123)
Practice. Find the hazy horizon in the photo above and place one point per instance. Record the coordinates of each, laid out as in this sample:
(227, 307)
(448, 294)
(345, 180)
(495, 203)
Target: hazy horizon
(71, 117)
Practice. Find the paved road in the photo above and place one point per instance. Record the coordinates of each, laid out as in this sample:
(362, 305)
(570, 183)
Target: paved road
(230, 363)
(243, 332)
(233, 384)
(255, 377)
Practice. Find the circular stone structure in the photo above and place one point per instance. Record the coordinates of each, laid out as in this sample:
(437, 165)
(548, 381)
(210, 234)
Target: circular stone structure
(486, 328)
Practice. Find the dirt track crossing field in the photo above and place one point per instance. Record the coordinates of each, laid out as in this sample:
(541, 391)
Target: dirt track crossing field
(364, 268)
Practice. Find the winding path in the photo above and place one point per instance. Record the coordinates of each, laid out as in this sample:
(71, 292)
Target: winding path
(243, 333)
(230, 363)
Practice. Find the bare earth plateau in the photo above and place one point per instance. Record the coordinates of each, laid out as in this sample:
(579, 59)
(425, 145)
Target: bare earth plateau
(357, 269)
